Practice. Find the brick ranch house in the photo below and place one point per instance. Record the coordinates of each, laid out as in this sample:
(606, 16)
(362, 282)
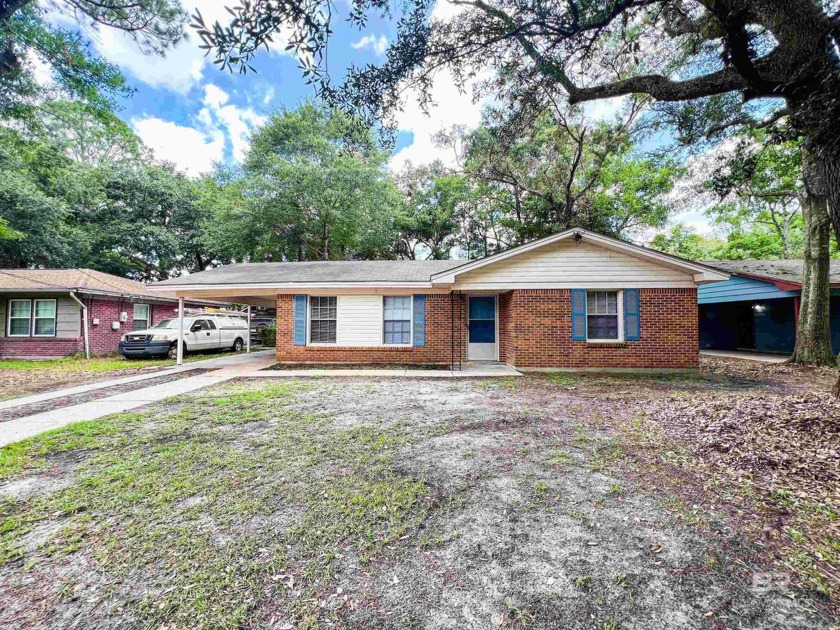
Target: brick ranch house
(44, 310)
(574, 300)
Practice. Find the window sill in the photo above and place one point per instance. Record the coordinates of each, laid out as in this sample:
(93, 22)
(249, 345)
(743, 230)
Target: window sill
(606, 344)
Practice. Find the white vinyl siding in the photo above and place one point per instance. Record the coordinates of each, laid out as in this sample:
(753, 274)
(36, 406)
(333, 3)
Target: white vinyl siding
(568, 265)
(68, 324)
(359, 320)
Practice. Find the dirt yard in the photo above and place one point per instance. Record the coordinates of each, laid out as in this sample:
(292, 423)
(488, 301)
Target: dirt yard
(540, 502)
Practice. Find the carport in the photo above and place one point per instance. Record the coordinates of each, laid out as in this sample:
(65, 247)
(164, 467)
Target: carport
(758, 307)
(246, 294)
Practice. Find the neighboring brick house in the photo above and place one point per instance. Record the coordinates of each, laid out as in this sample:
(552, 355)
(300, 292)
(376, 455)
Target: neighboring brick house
(575, 300)
(42, 311)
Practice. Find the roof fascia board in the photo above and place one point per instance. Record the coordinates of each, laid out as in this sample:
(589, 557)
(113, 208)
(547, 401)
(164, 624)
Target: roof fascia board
(290, 286)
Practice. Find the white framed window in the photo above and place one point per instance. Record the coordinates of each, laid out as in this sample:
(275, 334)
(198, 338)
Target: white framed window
(141, 316)
(323, 319)
(20, 318)
(43, 324)
(396, 319)
(604, 316)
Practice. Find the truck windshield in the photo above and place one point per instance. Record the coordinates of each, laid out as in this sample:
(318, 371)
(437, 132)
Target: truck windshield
(173, 323)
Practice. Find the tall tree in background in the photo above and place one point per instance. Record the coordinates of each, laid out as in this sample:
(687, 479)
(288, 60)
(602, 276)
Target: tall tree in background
(315, 188)
(434, 209)
(558, 171)
(718, 57)
(760, 186)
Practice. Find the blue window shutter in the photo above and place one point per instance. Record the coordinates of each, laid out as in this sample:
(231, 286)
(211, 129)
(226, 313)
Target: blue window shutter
(632, 320)
(419, 321)
(300, 320)
(579, 314)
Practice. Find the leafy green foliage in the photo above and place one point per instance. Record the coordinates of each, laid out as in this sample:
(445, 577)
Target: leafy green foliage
(113, 215)
(25, 35)
(435, 206)
(313, 186)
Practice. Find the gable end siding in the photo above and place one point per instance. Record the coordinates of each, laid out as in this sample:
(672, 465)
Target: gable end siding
(567, 265)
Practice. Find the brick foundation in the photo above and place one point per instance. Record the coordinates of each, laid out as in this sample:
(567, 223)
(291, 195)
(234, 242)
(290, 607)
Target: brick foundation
(534, 332)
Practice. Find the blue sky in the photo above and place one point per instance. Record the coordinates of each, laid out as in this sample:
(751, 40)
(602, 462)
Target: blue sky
(190, 113)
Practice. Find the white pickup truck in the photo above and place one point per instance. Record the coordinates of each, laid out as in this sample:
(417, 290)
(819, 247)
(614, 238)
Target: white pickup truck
(201, 333)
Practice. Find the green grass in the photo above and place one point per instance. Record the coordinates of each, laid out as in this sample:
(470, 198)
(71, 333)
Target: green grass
(95, 364)
(203, 516)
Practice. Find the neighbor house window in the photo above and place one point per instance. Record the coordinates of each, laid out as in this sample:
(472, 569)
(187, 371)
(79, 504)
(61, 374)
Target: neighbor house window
(397, 316)
(44, 325)
(602, 315)
(20, 317)
(141, 316)
(322, 319)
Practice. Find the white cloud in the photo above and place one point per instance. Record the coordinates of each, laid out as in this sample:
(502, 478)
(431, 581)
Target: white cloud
(377, 44)
(236, 122)
(451, 107)
(190, 149)
(195, 148)
(183, 67)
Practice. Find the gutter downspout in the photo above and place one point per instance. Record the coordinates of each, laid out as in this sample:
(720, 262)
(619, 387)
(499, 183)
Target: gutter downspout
(84, 323)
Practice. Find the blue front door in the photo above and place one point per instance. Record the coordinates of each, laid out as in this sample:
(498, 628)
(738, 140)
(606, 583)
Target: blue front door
(481, 344)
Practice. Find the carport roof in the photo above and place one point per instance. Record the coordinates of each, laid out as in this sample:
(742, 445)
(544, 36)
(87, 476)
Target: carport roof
(787, 271)
(362, 271)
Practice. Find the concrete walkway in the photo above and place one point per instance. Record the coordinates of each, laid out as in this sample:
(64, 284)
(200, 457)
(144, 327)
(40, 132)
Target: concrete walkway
(749, 356)
(230, 366)
(226, 368)
(225, 361)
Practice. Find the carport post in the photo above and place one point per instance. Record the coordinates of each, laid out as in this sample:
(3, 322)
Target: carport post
(248, 338)
(180, 331)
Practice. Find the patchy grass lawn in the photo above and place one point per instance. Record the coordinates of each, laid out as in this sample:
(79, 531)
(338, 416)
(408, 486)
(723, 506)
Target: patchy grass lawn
(25, 377)
(542, 502)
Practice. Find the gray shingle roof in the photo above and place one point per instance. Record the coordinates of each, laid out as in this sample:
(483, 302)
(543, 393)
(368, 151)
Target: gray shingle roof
(318, 271)
(784, 270)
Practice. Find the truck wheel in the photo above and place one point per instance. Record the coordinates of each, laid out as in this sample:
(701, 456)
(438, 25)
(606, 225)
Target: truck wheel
(238, 345)
(173, 350)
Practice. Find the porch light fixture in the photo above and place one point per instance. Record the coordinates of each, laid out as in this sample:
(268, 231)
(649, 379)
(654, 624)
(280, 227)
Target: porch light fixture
(759, 308)
(578, 237)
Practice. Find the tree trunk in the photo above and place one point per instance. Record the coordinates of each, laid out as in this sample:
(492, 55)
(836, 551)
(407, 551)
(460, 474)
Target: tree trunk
(813, 334)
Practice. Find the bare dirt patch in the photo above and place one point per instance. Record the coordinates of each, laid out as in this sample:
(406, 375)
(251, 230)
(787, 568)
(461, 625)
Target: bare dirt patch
(384, 503)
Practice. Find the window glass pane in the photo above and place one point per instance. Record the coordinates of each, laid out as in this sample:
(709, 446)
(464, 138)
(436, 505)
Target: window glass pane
(44, 308)
(45, 326)
(482, 331)
(21, 308)
(397, 319)
(323, 312)
(44, 317)
(602, 327)
(19, 326)
(19, 317)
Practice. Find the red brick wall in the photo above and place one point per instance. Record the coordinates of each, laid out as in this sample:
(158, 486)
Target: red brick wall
(534, 331)
(438, 346)
(540, 332)
(39, 347)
